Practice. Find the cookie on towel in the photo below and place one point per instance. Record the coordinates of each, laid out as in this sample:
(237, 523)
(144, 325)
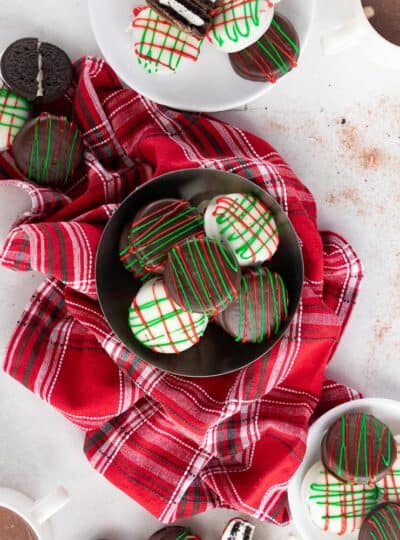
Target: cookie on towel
(48, 150)
(272, 56)
(261, 307)
(35, 70)
(335, 506)
(358, 448)
(14, 113)
(245, 224)
(159, 45)
(160, 324)
(237, 24)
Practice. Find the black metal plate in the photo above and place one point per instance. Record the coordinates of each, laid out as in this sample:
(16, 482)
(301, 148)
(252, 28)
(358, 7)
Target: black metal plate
(217, 353)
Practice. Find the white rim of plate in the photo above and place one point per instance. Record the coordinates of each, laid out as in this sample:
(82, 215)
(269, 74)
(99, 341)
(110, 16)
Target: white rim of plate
(229, 105)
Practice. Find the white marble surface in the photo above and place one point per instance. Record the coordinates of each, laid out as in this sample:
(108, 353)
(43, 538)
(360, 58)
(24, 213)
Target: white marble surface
(353, 168)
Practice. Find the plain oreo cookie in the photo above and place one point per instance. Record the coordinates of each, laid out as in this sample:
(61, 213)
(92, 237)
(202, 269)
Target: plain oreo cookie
(37, 71)
(48, 150)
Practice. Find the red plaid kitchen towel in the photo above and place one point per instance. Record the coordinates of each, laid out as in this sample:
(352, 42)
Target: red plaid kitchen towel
(178, 446)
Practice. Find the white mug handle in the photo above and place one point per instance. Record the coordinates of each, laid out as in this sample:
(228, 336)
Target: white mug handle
(344, 37)
(45, 508)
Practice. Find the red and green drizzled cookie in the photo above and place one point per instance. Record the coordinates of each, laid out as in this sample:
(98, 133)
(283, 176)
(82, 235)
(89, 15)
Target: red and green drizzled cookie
(382, 523)
(202, 275)
(160, 324)
(174, 533)
(159, 45)
(239, 23)
(48, 150)
(358, 448)
(14, 112)
(157, 227)
(245, 224)
(272, 56)
(261, 307)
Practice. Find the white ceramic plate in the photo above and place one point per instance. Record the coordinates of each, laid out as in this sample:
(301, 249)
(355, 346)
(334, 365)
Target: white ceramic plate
(210, 84)
(385, 409)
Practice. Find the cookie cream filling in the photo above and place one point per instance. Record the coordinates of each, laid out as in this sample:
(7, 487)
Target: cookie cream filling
(183, 11)
(238, 529)
(39, 77)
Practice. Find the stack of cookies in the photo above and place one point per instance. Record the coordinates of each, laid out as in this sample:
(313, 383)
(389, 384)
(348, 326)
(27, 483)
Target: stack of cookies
(202, 265)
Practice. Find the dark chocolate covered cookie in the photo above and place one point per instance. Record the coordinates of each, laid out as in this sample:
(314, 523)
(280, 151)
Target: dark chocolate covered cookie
(48, 150)
(174, 533)
(202, 275)
(358, 448)
(272, 56)
(261, 307)
(382, 523)
(155, 229)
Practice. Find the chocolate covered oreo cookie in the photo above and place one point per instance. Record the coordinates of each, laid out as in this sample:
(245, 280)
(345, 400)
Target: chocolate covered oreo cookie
(358, 448)
(272, 56)
(155, 229)
(36, 71)
(261, 307)
(202, 275)
(382, 523)
(48, 150)
(174, 533)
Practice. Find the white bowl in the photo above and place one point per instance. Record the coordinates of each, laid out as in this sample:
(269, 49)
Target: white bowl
(385, 409)
(210, 84)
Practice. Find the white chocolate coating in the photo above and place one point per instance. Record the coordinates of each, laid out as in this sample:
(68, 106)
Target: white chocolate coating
(14, 112)
(239, 24)
(244, 223)
(160, 324)
(335, 506)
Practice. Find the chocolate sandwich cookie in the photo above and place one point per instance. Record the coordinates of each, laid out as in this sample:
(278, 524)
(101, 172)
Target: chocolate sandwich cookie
(191, 16)
(38, 71)
(261, 307)
(238, 529)
(156, 228)
(48, 150)
(174, 533)
(14, 113)
(358, 448)
(202, 275)
(272, 56)
(382, 523)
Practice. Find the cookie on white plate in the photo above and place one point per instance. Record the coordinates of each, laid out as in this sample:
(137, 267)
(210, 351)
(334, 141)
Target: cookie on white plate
(335, 506)
(240, 23)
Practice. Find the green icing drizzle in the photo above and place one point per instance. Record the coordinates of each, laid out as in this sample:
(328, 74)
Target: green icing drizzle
(235, 25)
(203, 276)
(246, 225)
(160, 324)
(258, 301)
